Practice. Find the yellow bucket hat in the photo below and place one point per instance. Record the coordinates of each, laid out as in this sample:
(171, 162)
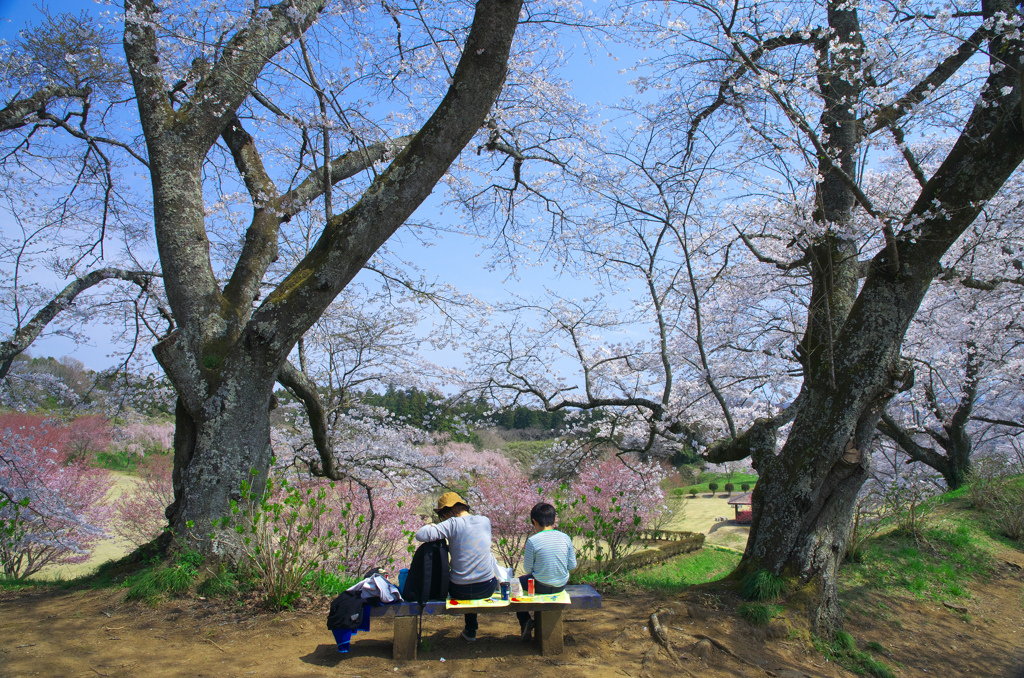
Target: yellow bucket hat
(447, 500)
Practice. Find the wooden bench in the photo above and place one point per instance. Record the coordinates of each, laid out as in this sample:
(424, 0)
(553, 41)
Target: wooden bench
(548, 619)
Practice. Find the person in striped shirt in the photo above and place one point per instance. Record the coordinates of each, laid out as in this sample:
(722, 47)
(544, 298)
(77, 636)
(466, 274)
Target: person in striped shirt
(548, 558)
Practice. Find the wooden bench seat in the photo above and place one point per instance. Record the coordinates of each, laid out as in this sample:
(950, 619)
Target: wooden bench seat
(548, 618)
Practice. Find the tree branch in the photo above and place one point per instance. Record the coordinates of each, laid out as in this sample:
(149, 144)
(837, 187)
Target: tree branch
(947, 68)
(888, 427)
(14, 115)
(24, 336)
(351, 238)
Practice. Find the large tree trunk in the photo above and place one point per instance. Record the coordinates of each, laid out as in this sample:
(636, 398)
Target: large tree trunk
(803, 504)
(214, 456)
(220, 443)
(226, 353)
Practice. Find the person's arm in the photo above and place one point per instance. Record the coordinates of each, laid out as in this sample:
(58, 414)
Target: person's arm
(528, 557)
(571, 564)
(434, 532)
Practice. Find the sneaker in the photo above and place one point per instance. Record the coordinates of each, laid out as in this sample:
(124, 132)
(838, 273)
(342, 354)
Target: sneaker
(528, 631)
(469, 636)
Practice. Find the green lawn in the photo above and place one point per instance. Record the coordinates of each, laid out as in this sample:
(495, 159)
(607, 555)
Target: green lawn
(708, 564)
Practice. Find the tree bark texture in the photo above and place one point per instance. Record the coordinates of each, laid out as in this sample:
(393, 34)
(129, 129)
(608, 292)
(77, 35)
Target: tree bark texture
(224, 357)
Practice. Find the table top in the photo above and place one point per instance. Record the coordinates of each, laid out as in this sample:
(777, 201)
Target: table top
(582, 596)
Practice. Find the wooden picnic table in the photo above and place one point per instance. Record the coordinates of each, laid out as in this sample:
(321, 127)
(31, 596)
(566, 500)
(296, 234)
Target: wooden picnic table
(548, 618)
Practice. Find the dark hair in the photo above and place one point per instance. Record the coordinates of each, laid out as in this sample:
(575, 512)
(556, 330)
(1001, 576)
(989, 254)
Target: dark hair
(543, 514)
(449, 511)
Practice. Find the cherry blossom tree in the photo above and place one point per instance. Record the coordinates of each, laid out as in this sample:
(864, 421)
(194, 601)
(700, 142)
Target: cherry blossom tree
(55, 504)
(965, 347)
(811, 114)
(73, 213)
(504, 493)
(608, 504)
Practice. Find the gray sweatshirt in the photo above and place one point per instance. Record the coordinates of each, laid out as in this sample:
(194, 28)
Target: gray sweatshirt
(469, 543)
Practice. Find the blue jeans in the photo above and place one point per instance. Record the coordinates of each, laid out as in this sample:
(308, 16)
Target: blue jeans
(477, 591)
(538, 587)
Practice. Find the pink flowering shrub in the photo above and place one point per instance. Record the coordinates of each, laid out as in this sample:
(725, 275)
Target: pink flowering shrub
(505, 495)
(608, 504)
(53, 508)
(138, 514)
(364, 543)
(140, 437)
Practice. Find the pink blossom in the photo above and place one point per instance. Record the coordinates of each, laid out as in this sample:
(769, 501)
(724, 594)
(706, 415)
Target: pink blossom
(138, 514)
(53, 498)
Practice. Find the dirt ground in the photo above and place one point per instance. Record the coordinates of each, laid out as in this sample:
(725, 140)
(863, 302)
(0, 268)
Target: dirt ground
(94, 633)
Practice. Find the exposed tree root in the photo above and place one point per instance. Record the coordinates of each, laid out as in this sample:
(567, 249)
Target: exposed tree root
(660, 636)
(723, 648)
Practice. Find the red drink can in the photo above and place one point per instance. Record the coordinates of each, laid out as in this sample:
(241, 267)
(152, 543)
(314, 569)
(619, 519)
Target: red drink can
(529, 586)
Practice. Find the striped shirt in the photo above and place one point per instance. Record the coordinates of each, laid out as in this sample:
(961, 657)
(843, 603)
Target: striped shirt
(549, 556)
(469, 546)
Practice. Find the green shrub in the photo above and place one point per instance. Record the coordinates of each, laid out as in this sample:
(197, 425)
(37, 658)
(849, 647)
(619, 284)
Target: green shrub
(1009, 513)
(729, 487)
(222, 584)
(986, 482)
(745, 487)
(758, 614)
(761, 585)
(177, 578)
(278, 532)
(713, 487)
(692, 491)
(843, 650)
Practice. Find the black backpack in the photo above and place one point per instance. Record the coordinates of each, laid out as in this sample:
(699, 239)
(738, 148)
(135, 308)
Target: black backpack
(429, 573)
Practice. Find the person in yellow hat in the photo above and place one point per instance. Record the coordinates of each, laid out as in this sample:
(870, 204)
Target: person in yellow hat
(469, 547)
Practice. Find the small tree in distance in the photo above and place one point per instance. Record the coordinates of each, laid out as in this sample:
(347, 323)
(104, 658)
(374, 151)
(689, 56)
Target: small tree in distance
(713, 487)
(745, 487)
(693, 491)
(729, 487)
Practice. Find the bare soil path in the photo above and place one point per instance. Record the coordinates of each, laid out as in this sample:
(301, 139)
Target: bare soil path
(94, 633)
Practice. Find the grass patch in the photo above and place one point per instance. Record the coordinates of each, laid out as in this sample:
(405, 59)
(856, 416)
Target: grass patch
(762, 585)
(176, 578)
(10, 584)
(707, 564)
(758, 614)
(843, 651)
(331, 584)
(938, 567)
(118, 460)
(220, 585)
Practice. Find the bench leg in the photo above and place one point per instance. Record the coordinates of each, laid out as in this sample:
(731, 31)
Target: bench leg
(405, 638)
(549, 631)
